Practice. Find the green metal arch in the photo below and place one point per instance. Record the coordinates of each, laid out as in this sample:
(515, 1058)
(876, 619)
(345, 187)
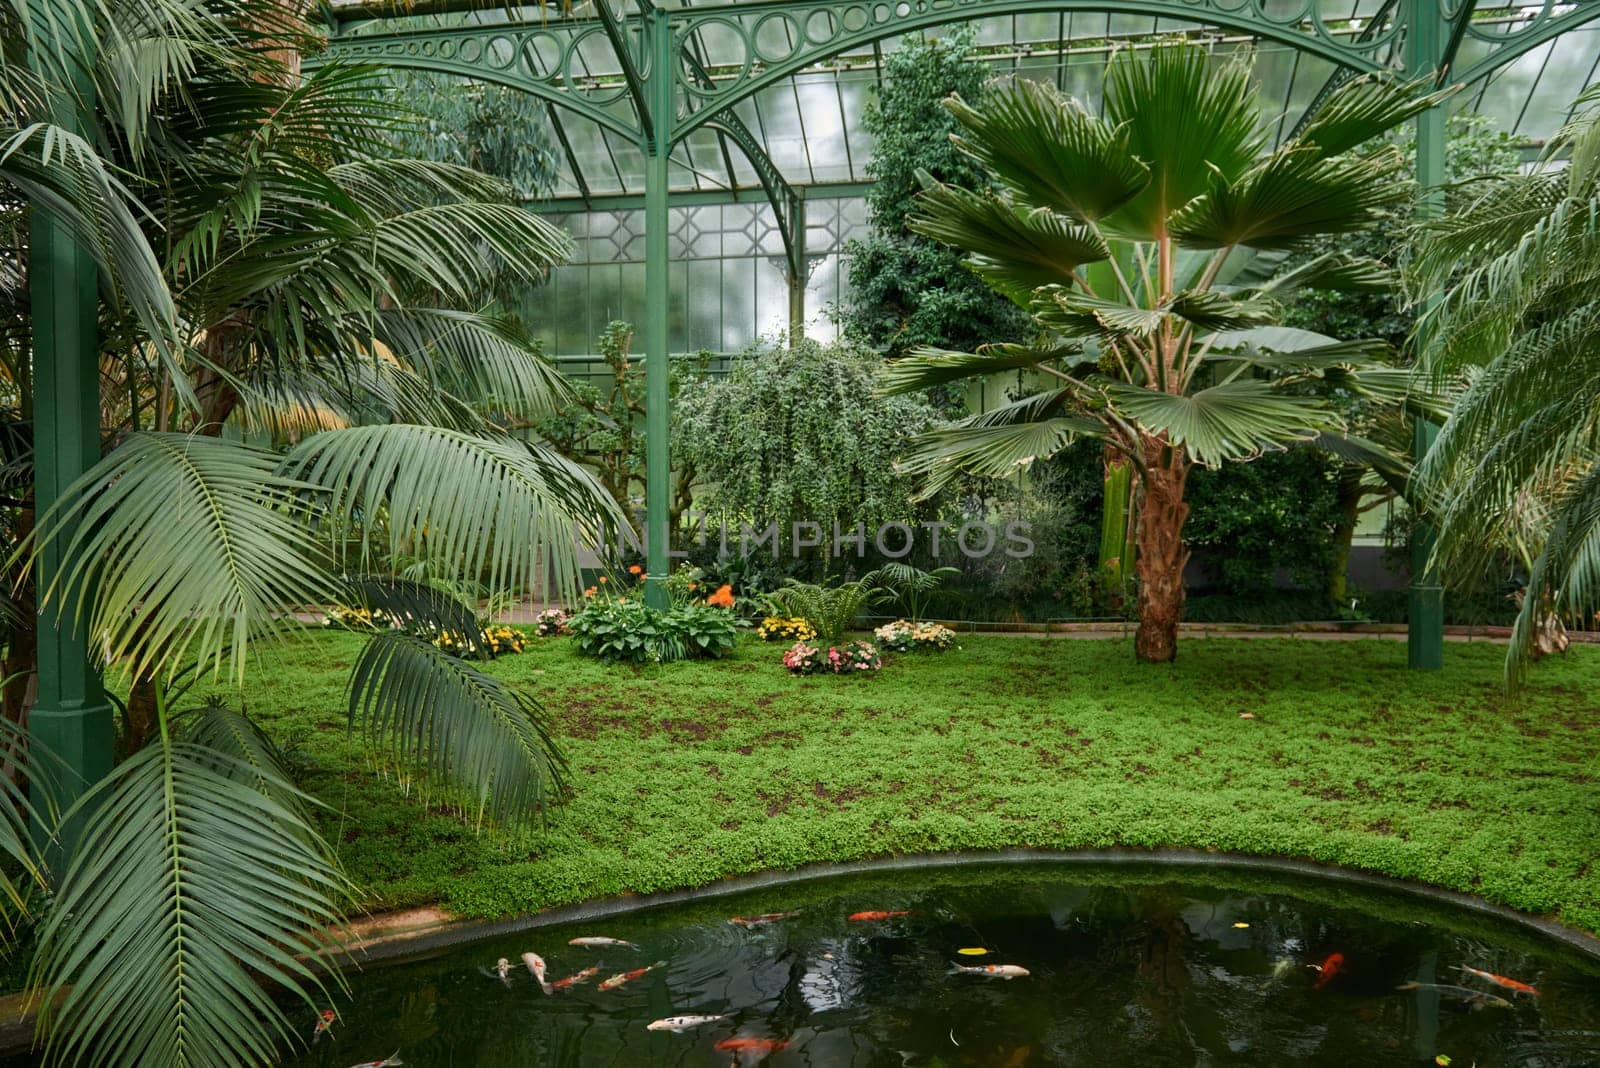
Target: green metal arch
(687, 20)
(1520, 44)
(347, 49)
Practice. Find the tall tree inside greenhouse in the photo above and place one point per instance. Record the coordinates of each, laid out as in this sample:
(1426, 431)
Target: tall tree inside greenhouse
(1514, 468)
(906, 290)
(270, 268)
(1119, 234)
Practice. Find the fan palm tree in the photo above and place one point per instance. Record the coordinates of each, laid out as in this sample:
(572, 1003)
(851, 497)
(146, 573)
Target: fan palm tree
(274, 266)
(1122, 236)
(1516, 468)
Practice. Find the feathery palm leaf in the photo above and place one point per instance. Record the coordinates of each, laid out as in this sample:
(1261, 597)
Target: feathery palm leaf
(193, 881)
(465, 727)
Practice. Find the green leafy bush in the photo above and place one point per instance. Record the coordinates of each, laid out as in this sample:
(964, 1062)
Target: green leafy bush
(632, 632)
(831, 610)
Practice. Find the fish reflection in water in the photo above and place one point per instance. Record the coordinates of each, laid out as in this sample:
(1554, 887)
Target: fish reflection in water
(1118, 974)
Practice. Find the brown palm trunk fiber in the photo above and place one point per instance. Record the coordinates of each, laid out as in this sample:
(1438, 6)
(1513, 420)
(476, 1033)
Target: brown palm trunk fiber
(1162, 554)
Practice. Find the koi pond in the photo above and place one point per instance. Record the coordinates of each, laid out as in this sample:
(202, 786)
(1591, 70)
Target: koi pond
(1109, 965)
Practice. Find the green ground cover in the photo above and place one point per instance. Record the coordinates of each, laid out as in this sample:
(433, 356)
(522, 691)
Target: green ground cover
(686, 773)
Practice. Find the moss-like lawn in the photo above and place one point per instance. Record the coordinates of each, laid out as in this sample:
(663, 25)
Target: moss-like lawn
(686, 773)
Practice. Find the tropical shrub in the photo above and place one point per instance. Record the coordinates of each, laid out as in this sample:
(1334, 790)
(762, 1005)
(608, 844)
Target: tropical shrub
(910, 586)
(829, 610)
(629, 631)
(1119, 235)
(787, 629)
(904, 636)
(796, 436)
(1514, 468)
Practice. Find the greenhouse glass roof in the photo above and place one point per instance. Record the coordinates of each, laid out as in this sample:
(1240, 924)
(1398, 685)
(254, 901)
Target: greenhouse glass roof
(767, 152)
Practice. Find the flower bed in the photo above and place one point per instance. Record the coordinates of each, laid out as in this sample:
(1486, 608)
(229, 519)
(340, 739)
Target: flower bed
(785, 629)
(848, 659)
(903, 637)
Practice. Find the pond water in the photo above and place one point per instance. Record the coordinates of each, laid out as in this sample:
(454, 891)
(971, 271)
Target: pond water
(1124, 967)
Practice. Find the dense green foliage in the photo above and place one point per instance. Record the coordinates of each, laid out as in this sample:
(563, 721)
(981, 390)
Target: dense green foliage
(489, 127)
(830, 610)
(1514, 471)
(630, 631)
(800, 435)
(907, 291)
(688, 773)
(1249, 521)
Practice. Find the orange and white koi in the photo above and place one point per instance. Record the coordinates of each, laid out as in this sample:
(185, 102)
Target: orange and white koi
(766, 917)
(1500, 981)
(576, 979)
(760, 1047)
(1475, 999)
(388, 1062)
(535, 965)
(596, 941)
(681, 1023)
(628, 977)
(1331, 966)
(992, 971)
(868, 917)
(325, 1020)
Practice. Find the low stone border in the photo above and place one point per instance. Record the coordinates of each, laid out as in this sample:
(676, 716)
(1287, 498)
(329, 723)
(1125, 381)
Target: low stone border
(425, 936)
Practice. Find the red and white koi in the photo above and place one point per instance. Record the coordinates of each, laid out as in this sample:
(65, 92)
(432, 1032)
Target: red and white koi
(1331, 966)
(992, 971)
(681, 1023)
(1501, 981)
(870, 917)
(535, 965)
(764, 918)
(628, 977)
(388, 1062)
(576, 979)
(598, 941)
(325, 1020)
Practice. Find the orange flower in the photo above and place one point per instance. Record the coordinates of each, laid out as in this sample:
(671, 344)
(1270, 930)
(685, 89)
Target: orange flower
(589, 592)
(723, 598)
(602, 578)
(635, 570)
(692, 586)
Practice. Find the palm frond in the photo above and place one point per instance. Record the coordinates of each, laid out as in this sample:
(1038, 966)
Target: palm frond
(932, 367)
(463, 726)
(1050, 150)
(486, 506)
(1230, 421)
(232, 556)
(190, 886)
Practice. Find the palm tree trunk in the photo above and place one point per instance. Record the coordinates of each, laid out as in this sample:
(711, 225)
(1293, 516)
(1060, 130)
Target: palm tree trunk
(1350, 492)
(1162, 554)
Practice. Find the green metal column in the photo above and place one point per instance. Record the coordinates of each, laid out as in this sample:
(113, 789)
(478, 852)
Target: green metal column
(658, 462)
(71, 717)
(1425, 40)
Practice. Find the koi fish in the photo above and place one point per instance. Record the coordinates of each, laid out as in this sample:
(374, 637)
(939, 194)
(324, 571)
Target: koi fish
(1500, 980)
(869, 917)
(1330, 967)
(993, 971)
(765, 917)
(628, 977)
(535, 965)
(502, 968)
(761, 1046)
(1476, 999)
(681, 1023)
(325, 1020)
(576, 979)
(619, 943)
(388, 1062)
(1280, 968)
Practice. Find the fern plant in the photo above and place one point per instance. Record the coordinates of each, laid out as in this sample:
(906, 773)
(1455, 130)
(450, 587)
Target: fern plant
(831, 610)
